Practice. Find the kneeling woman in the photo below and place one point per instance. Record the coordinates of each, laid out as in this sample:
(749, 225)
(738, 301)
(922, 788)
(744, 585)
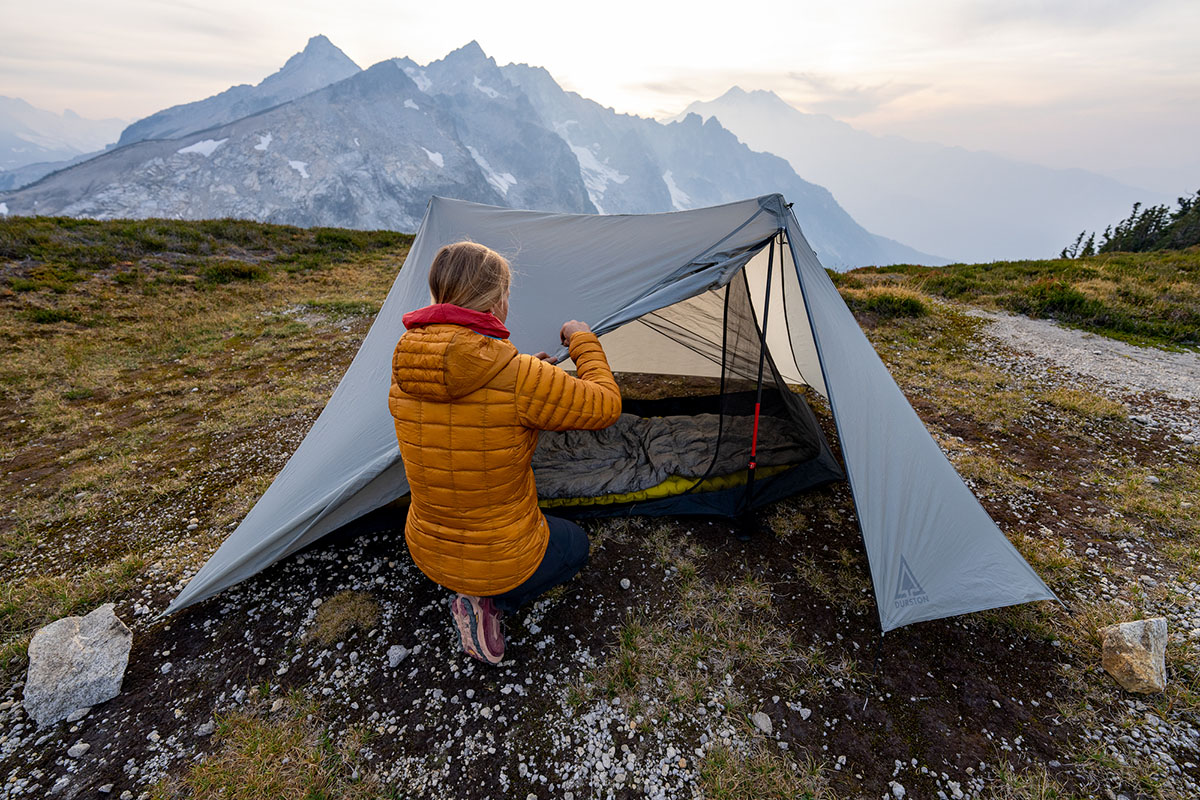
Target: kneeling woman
(468, 408)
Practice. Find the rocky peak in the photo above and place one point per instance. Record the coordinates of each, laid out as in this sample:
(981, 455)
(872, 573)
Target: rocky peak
(319, 64)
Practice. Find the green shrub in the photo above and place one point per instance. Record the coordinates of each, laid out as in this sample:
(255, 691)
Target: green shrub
(229, 271)
(1051, 297)
(886, 303)
(48, 316)
(22, 284)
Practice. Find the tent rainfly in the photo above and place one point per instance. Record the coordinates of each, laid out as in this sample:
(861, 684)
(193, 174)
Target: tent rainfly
(658, 288)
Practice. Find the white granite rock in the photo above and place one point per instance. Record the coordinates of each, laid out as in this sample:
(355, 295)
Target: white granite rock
(76, 662)
(1135, 654)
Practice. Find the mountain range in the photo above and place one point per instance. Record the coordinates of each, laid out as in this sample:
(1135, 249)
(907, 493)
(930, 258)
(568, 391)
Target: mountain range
(966, 205)
(32, 136)
(322, 142)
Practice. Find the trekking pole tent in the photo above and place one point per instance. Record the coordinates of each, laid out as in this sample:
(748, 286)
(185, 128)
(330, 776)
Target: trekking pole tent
(731, 292)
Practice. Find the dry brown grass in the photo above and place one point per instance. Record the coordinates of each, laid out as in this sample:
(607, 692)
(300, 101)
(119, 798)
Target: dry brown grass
(1084, 403)
(339, 615)
(762, 773)
(268, 757)
(132, 414)
(1031, 783)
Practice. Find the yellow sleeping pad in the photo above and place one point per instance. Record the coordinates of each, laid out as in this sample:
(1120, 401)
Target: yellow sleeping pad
(672, 486)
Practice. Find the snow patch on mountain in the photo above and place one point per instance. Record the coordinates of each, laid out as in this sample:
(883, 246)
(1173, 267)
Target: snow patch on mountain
(436, 158)
(264, 142)
(204, 147)
(300, 166)
(410, 104)
(489, 91)
(503, 181)
(597, 175)
(419, 77)
(679, 198)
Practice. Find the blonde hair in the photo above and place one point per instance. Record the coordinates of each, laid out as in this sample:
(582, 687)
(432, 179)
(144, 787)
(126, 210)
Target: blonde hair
(469, 275)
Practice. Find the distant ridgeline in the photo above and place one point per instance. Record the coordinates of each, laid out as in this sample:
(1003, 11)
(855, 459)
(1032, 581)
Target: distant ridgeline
(1149, 228)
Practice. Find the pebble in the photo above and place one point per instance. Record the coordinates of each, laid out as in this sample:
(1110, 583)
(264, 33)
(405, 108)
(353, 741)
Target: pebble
(78, 749)
(762, 722)
(207, 728)
(625, 584)
(897, 789)
(78, 714)
(397, 653)
(105, 789)
(1153, 480)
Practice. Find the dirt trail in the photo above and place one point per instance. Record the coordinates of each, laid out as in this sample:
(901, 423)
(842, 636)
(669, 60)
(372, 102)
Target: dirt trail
(1140, 369)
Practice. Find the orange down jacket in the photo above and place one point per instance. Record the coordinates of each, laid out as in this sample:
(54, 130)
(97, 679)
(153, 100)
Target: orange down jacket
(468, 409)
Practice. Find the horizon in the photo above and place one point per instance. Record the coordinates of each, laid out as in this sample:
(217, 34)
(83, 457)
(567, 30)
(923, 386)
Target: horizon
(1019, 80)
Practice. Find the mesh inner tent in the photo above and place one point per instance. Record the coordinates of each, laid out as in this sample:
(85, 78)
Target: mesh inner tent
(720, 328)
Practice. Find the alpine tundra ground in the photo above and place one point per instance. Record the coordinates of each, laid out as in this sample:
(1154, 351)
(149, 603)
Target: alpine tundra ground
(156, 375)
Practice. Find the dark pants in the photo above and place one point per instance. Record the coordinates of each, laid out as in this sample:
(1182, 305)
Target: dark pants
(566, 554)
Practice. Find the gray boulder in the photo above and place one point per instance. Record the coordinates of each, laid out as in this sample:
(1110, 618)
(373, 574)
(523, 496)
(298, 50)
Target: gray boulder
(1135, 654)
(76, 662)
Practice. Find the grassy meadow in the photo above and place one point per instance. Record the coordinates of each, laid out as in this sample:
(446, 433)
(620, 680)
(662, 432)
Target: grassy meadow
(157, 374)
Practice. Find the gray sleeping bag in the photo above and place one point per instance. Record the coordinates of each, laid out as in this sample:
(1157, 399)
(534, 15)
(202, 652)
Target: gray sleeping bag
(639, 452)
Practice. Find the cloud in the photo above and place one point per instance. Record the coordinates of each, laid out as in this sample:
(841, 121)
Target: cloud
(825, 94)
(675, 87)
(1071, 14)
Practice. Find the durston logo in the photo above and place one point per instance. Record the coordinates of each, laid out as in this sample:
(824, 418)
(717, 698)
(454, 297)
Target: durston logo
(908, 591)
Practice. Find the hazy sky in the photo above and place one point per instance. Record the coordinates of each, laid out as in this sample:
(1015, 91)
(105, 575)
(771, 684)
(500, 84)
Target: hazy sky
(1102, 84)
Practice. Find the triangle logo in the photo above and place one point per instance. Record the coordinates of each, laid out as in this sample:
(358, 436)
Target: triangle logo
(908, 589)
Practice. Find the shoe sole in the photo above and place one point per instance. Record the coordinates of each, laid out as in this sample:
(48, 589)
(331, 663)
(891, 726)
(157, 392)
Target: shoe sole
(470, 631)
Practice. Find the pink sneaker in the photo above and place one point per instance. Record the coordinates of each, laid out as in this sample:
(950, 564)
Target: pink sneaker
(478, 623)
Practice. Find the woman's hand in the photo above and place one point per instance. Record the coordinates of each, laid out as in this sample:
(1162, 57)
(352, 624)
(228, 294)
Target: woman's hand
(570, 328)
(544, 356)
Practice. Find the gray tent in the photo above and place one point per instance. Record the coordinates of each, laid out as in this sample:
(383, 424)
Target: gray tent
(933, 550)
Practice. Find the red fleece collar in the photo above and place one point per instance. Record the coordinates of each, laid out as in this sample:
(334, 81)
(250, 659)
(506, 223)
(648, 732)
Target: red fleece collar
(446, 313)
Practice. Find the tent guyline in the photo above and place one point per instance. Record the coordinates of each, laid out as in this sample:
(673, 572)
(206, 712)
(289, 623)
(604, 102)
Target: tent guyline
(730, 293)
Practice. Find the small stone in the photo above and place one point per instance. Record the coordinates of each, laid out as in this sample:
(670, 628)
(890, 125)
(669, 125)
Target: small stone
(126, 795)
(78, 749)
(1187, 438)
(395, 654)
(762, 722)
(897, 789)
(1142, 419)
(207, 728)
(105, 789)
(1153, 480)
(278, 704)
(79, 714)
(1135, 654)
(165, 668)
(625, 584)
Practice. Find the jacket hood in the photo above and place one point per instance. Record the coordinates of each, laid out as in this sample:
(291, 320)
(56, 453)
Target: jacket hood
(443, 361)
(479, 321)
